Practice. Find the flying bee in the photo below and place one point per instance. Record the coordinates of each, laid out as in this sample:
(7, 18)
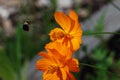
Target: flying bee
(26, 26)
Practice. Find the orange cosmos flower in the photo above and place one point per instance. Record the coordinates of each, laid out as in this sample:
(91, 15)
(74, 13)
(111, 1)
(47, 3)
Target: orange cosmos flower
(56, 66)
(61, 48)
(71, 32)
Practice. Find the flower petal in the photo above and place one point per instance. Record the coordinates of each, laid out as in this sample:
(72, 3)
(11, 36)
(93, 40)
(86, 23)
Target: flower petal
(63, 20)
(64, 75)
(60, 49)
(70, 76)
(48, 59)
(42, 64)
(76, 43)
(49, 76)
(73, 15)
(44, 54)
(76, 31)
(77, 26)
(73, 65)
(56, 34)
(47, 56)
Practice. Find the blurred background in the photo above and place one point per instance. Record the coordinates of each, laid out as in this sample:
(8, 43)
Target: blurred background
(99, 54)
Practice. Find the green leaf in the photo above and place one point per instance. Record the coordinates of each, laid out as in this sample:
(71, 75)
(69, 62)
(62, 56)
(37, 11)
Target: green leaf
(109, 60)
(99, 26)
(99, 54)
(6, 68)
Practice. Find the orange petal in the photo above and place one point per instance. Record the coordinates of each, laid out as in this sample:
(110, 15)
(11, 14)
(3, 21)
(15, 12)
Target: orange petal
(76, 29)
(45, 55)
(64, 75)
(54, 45)
(49, 76)
(73, 65)
(54, 48)
(76, 43)
(77, 26)
(70, 76)
(58, 47)
(63, 20)
(77, 32)
(42, 64)
(48, 56)
(57, 56)
(73, 15)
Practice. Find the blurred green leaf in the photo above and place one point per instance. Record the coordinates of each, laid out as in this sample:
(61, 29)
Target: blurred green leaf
(118, 63)
(99, 54)
(102, 72)
(18, 52)
(6, 68)
(99, 26)
(24, 70)
(109, 59)
(54, 4)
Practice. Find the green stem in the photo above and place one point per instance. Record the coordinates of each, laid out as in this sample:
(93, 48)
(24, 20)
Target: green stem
(18, 53)
(91, 66)
(98, 33)
(24, 70)
(54, 4)
(84, 64)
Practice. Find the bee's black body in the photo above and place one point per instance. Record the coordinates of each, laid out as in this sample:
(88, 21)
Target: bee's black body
(26, 26)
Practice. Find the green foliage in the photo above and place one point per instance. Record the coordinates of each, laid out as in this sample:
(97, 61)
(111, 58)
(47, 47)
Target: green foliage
(6, 68)
(105, 67)
(22, 47)
(103, 64)
(18, 50)
(99, 26)
(99, 54)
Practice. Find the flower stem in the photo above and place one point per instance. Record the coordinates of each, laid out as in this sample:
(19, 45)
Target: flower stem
(84, 64)
(98, 33)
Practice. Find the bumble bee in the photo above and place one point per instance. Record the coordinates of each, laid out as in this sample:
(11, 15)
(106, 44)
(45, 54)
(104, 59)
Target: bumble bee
(26, 26)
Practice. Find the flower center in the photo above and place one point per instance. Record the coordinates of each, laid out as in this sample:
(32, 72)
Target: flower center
(68, 36)
(52, 69)
(56, 33)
